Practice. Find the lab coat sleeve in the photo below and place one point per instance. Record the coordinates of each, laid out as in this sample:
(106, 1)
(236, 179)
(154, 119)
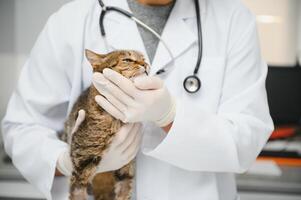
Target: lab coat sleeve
(230, 139)
(37, 109)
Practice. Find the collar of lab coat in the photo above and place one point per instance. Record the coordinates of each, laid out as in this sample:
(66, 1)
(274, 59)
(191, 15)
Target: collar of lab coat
(122, 33)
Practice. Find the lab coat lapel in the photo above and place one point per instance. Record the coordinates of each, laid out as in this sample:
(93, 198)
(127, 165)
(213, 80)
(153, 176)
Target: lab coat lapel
(177, 34)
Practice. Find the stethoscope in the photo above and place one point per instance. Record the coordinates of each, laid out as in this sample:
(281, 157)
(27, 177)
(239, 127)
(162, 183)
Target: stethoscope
(192, 83)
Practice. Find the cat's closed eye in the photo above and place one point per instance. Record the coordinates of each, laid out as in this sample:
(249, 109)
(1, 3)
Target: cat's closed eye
(127, 60)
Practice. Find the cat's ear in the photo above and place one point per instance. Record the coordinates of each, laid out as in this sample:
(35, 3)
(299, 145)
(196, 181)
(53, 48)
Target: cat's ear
(94, 58)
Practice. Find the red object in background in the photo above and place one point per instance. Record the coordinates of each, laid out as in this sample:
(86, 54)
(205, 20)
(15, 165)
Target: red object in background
(293, 162)
(283, 132)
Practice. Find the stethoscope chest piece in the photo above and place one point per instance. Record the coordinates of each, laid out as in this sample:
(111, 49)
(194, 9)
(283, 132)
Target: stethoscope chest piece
(192, 84)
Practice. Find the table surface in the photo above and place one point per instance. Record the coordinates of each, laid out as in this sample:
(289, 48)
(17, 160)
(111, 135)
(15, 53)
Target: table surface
(289, 182)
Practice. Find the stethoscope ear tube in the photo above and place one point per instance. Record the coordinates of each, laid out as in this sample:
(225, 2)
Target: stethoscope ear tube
(104, 10)
(200, 37)
(101, 3)
(101, 18)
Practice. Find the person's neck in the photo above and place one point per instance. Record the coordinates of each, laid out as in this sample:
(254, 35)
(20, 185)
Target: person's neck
(155, 2)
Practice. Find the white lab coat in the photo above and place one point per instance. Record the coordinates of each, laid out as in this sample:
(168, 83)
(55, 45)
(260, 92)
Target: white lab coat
(216, 132)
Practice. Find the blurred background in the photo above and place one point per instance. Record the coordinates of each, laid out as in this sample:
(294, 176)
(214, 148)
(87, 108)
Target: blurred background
(276, 175)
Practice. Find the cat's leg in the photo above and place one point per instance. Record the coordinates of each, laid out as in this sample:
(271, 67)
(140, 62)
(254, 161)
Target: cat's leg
(124, 182)
(80, 179)
(103, 186)
(77, 190)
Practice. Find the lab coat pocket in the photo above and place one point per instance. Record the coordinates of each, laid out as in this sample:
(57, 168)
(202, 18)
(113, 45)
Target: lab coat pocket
(211, 74)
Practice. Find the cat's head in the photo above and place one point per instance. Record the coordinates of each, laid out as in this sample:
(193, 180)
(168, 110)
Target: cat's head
(126, 62)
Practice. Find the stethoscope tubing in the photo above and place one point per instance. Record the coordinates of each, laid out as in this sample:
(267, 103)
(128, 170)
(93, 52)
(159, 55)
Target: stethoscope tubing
(105, 9)
(200, 37)
(188, 81)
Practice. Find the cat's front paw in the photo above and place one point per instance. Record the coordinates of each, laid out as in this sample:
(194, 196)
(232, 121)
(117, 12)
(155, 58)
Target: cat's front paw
(79, 194)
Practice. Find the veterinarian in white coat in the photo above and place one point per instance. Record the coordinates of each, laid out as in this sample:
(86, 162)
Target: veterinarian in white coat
(215, 132)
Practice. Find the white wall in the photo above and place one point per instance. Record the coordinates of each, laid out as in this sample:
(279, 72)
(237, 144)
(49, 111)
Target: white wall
(20, 23)
(277, 22)
(7, 43)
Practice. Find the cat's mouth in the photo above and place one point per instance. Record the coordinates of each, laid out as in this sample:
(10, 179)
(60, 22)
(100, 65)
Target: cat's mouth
(142, 71)
(147, 69)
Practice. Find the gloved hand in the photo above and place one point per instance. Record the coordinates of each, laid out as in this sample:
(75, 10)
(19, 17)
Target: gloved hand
(144, 99)
(124, 147)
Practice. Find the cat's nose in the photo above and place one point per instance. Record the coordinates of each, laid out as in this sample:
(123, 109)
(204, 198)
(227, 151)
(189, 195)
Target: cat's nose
(142, 69)
(145, 69)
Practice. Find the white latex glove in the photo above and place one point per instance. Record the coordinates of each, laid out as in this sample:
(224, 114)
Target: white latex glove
(144, 99)
(124, 147)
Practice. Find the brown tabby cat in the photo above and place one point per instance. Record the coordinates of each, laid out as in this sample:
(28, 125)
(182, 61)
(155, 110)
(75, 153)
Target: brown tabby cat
(95, 133)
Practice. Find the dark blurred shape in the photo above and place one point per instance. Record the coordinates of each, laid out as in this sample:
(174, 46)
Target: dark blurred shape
(284, 95)
(7, 160)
